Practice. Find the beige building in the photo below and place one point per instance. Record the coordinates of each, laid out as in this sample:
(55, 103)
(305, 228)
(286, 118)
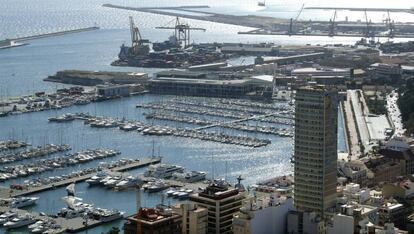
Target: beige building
(315, 156)
(194, 218)
(262, 215)
(222, 202)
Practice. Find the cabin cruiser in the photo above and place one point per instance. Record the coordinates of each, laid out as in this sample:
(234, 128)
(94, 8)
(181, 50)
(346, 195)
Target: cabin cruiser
(153, 187)
(20, 202)
(162, 171)
(106, 215)
(20, 221)
(190, 177)
(128, 182)
(96, 179)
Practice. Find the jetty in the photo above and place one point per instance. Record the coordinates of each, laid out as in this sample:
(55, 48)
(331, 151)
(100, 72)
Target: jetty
(16, 42)
(5, 193)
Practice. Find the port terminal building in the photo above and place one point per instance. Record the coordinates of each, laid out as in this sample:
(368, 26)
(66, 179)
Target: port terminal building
(206, 84)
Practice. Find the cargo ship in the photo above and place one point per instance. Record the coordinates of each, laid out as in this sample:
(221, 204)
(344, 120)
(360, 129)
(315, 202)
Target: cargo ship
(168, 54)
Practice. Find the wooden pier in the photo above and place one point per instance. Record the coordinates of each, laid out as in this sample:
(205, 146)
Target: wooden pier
(6, 192)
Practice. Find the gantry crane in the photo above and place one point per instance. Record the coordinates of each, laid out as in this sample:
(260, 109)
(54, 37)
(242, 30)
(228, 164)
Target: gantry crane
(182, 32)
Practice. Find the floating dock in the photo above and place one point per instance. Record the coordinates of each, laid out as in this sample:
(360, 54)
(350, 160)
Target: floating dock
(5, 193)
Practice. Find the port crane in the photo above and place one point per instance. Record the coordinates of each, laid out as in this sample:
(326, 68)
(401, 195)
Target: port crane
(138, 44)
(368, 31)
(332, 25)
(182, 32)
(295, 20)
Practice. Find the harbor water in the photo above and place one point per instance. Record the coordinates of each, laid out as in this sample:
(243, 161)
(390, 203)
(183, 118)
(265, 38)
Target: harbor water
(22, 70)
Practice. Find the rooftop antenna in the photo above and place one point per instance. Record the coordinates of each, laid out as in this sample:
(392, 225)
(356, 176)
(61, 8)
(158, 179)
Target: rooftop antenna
(212, 166)
(225, 177)
(138, 204)
(153, 146)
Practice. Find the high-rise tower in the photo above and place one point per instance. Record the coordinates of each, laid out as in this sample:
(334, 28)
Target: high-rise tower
(315, 156)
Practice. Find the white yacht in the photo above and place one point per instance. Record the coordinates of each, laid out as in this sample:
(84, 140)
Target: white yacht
(190, 177)
(162, 170)
(20, 202)
(19, 222)
(107, 215)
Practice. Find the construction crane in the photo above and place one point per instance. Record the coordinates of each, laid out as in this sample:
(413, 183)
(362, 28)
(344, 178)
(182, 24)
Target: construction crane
(137, 45)
(182, 32)
(332, 25)
(296, 19)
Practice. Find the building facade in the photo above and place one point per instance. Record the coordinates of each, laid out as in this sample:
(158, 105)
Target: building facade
(315, 156)
(194, 218)
(222, 202)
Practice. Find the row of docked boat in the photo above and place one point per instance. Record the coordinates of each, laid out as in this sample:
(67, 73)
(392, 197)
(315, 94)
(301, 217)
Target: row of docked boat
(283, 132)
(195, 110)
(46, 226)
(76, 208)
(240, 102)
(230, 106)
(11, 145)
(178, 118)
(41, 101)
(39, 151)
(116, 181)
(217, 108)
(179, 193)
(12, 220)
(277, 120)
(22, 170)
(37, 182)
(147, 129)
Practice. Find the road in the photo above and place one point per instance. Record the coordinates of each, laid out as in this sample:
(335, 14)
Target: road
(355, 151)
(395, 114)
(360, 111)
